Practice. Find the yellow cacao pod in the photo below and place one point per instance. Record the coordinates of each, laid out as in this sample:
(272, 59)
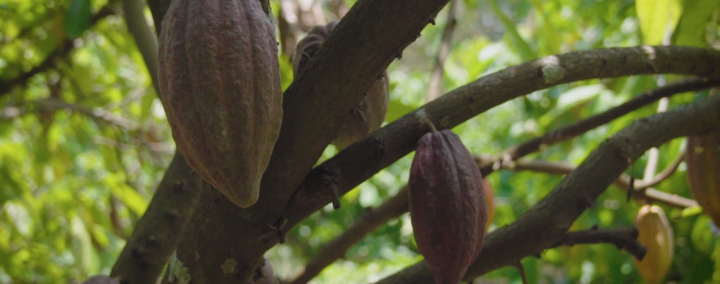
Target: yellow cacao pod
(656, 235)
(702, 156)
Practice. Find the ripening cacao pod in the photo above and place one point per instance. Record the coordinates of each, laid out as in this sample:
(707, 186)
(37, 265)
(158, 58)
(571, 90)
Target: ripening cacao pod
(220, 85)
(448, 210)
(657, 236)
(370, 112)
(702, 156)
(490, 200)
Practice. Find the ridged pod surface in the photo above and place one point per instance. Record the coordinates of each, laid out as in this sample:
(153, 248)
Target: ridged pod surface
(656, 235)
(220, 86)
(447, 205)
(490, 201)
(702, 156)
(370, 113)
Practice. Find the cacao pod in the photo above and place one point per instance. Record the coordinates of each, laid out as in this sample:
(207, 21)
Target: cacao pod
(702, 156)
(490, 200)
(447, 202)
(657, 236)
(220, 86)
(370, 112)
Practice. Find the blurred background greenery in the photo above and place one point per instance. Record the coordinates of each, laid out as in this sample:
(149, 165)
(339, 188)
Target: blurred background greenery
(84, 139)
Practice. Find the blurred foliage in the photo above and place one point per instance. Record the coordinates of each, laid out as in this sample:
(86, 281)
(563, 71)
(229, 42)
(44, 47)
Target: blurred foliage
(73, 183)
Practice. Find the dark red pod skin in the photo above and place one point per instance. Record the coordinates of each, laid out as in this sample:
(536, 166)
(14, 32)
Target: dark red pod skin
(448, 209)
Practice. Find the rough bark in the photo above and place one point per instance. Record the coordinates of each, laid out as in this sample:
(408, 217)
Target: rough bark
(157, 233)
(312, 106)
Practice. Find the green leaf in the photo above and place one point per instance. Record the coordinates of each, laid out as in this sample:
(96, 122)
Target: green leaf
(77, 18)
(657, 16)
(397, 109)
(690, 30)
(131, 198)
(553, 39)
(517, 41)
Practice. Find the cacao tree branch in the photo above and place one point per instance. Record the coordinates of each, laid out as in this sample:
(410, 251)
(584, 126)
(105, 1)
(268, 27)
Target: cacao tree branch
(643, 189)
(623, 238)
(158, 232)
(371, 219)
(98, 114)
(573, 130)
(435, 86)
(61, 51)
(666, 173)
(313, 106)
(251, 231)
(546, 223)
(143, 36)
(361, 160)
(397, 205)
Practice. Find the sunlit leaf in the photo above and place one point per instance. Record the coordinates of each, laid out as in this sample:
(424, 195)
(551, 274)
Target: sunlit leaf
(657, 17)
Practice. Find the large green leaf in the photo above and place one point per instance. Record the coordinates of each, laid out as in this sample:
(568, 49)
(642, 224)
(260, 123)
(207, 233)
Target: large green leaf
(657, 17)
(690, 30)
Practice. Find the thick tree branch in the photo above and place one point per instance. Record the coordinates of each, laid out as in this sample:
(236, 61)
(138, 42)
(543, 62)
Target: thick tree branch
(143, 35)
(227, 226)
(622, 238)
(383, 147)
(61, 51)
(573, 130)
(397, 205)
(313, 105)
(158, 232)
(371, 219)
(546, 223)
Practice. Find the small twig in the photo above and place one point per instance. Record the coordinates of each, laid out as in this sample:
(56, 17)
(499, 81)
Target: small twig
(580, 127)
(331, 185)
(647, 192)
(436, 84)
(662, 175)
(97, 114)
(622, 238)
(429, 123)
(631, 184)
(62, 50)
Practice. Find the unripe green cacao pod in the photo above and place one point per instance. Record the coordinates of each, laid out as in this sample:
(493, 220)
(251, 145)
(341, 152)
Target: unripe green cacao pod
(370, 112)
(656, 235)
(447, 202)
(702, 156)
(220, 85)
(490, 200)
